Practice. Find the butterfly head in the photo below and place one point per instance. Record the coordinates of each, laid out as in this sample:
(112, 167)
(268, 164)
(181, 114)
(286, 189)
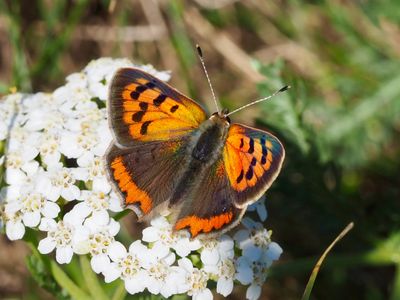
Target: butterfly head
(222, 117)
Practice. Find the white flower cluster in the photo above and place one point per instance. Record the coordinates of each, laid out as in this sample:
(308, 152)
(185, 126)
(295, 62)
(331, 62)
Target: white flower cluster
(51, 149)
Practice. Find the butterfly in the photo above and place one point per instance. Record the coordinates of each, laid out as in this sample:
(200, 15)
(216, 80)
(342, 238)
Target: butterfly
(167, 153)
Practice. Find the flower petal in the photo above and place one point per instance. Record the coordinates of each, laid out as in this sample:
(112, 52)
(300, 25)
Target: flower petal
(64, 255)
(224, 286)
(253, 292)
(31, 219)
(50, 209)
(100, 263)
(15, 230)
(46, 245)
(116, 251)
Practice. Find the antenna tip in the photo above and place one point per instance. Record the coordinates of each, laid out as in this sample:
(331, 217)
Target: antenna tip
(199, 51)
(285, 88)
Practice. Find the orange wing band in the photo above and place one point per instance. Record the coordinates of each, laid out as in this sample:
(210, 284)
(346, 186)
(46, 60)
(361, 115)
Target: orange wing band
(205, 225)
(126, 185)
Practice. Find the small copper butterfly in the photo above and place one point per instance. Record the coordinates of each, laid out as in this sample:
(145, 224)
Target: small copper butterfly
(167, 152)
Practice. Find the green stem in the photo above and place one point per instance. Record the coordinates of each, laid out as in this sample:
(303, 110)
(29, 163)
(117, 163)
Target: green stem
(91, 279)
(120, 292)
(64, 281)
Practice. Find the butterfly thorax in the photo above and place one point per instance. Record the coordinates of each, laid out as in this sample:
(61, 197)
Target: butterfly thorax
(209, 140)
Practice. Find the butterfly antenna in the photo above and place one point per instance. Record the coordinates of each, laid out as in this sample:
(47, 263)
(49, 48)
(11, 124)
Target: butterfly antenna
(286, 87)
(200, 53)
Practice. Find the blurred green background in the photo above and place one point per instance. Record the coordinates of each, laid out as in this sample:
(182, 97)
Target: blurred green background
(340, 122)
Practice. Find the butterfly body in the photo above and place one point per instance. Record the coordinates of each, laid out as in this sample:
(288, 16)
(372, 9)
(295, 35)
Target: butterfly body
(203, 150)
(167, 153)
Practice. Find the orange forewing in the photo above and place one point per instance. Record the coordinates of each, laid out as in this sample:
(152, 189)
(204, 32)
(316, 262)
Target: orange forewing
(145, 109)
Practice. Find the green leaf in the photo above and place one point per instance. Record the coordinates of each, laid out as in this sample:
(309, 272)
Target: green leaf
(281, 112)
(40, 274)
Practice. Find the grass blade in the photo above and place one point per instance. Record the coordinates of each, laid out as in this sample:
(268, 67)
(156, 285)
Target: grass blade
(313, 277)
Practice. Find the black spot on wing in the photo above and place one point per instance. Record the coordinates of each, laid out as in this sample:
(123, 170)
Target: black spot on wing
(137, 117)
(174, 108)
(159, 100)
(251, 146)
(264, 151)
(253, 161)
(263, 145)
(143, 128)
(263, 160)
(240, 177)
(249, 173)
(143, 106)
(241, 143)
(150, 85)
(140, 89)
(135, 95)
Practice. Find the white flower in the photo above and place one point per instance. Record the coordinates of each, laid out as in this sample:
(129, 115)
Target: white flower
(99, 73)
(9, 106)
(259, 207)
(253, 240)
(196, 280)
(75, 145)
(160, 232)
(158, 263)
(216, 249)
(258, 254)
(93, 171)
(32, 206)
(259, 275)
(20, 165)
(218, 261)
(62, 236)
(96, 202)
(49, 148)
(59, 181)
(15, 230)
(97, 242)
(127, 266)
